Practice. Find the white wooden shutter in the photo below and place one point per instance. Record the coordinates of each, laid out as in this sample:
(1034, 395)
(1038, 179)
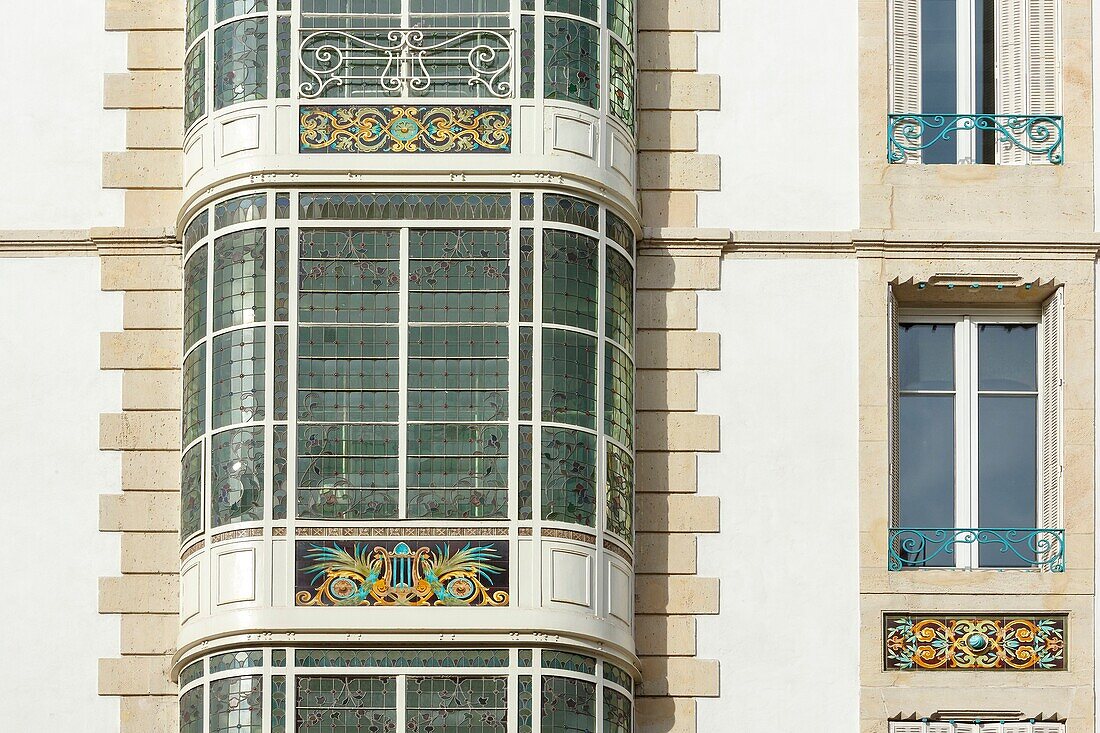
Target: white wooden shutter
(1012, 71)
(1049, 728)
(941, 728)
(967, 728)
(893, 410)
(1050, 405)
(1044, 63)
(992, 728)
(911, 726)
(904, 61)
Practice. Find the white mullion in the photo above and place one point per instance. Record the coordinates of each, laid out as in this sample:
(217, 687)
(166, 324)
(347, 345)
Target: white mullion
(971, 401)
(964, 60)
(963, 413)
(401, 702)
(208, 380)
(403, 373)
(270, 266)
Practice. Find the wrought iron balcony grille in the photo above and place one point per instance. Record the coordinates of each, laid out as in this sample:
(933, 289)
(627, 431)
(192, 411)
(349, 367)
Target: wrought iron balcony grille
(935, 547)
(1018, 138)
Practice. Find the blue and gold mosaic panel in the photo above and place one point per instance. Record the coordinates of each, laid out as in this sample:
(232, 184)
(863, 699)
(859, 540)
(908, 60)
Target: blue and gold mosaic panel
(405, 129)
(401, 573)
(1012, 643)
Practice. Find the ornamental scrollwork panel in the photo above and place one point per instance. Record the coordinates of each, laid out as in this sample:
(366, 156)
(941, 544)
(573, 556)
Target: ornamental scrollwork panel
(402, 573)
(405, 129)
(1015, 643)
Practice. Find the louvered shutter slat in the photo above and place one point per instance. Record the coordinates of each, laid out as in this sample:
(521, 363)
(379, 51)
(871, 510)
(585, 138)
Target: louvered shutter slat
(1043, 63)
(894, 411)
(1050, 488)
(904, 61)
(911, 726)
(1012, 72)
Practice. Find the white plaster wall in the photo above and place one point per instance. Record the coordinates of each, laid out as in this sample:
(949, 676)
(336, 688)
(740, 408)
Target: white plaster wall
(53, 124)
(787, 636)
(51, 552)
(788, 127)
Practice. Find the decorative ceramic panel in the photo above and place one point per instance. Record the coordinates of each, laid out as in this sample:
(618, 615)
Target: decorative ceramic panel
(402, 573)
(406, 129)
(1018, 643)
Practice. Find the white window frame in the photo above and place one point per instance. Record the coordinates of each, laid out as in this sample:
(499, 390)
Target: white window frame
(965, 323)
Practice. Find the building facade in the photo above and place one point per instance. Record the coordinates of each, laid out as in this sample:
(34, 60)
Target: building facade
(492, 365)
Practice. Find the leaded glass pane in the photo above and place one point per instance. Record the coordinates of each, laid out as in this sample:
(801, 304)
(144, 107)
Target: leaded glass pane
(526, 372)
(194, 394)
(278, 657)
(569, 378)
(449, 658)
(238, 377)
(568, 661)
(282, 274)
(348, 276)
(619, 284)
(194, 85)
(584, 8)
(571, 210)
(526, 695)
(278, 704)
(237, 705)
(282, 59)
(570, 279)
(250, 207)
(459, 13)
(526, 464)
(191, 711)
(569, 476)
(527, 56)
(618, 675)
(526, 275)
(282, 365)
(458, 275)
(191, 673)
(456, 704)
(240, 62)
(196, 20)
(239, 279)
(278, 472)
(405, 206)
(620, 493)
(196, 230)
(621, 95)
(351, 13)
(617, 716)
(347, 704)
(282, 205)
(191, 494)
(620, 20)
(571, 61)
(348, 374)
(458, 373)
(457, 471)
(237, 476)
(236, 660)
(568, 705)
(619, 232)
(618, 396)
(227, 9)
(347, 471)
(194, 297)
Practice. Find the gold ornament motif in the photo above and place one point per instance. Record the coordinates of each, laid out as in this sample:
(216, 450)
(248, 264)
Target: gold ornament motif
(451, 129)
(988, 643)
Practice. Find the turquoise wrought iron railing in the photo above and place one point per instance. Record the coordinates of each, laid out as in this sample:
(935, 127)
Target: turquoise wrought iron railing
(916, 547)
(1036, 135)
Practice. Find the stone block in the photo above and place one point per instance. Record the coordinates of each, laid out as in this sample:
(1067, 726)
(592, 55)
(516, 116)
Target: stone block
(666, 390)
(143, 169)
(143, 90)
(153, 430)
(158, 349)
(141, 272)
(671, 309)
(679, 171)
(145, 470)
(676, 594)
(139, 594)
(678, 272)
(151, 389)
(153, 309)
(677, 350)
(135, 676)
(140, 511)
(677, 513)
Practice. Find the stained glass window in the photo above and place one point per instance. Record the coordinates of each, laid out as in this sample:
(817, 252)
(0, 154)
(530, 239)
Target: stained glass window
(458, 275)
(460, 704)
(568, 705)
(238, 377)
(458, 373)
(282, 274)
(191, 493)
(191, 711)
(239, 279)
(237, 476)
(227, 9)
(405, 206)
(347, 471)
(278, 472)
(526, 275)
(526, 693)
(571, 210)
(619, 232)
(236, 660)
(526, 464)
(569, 476)
(278, 704)
(347, 374)
(196, 20)
(237, 705)
(619, 285)
(570, 279)
(250, 207)
(622, 84)
(194, 85)
(346, 704)
(348, 275)
(620, 20)
(618, 675)
(401, 658)
(617, 716)
(457, 471)
(190, 673)
(527, 56)
(571, 61)
(568, 661)
(282, 365)
(194, 297)
(618, 396)
(526, 372)
(584, 8)
(282, 58)
(620, 493)
(194, 394)
(196, 230)
(240, 62)
(569, 378)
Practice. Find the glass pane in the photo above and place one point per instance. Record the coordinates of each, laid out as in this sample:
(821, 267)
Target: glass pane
(927, 469)
(568, 706)
(939, 75)
(1007, 357)
(926, 356)
(1007, 470)
(236, 705)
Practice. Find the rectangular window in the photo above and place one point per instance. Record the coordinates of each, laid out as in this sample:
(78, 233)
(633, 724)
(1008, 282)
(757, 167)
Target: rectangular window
(976, 467)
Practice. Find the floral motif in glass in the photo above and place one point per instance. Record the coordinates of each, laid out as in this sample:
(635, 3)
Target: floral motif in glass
(348, 374)
(196, 230)
(346, 704)
(250, 207)
(619, 284)
(526, 465)
(238, 377)
(569, 476)
(191, 711)
(618, 395)
(458, 373)
(240, 62)
(227, 9)
(571, 210)
(196, 20)
(401, 658)
(278, 472)
(474, 704)
(621, 85)
(619, 232)
(194, 85)
(526, 372)
(571, 62)
(569, 378)
(237, 476)
(282, 366)
(237, 705)
(570, 278)
(194, 297)
(620, 20)
(194, 394)
(239, 279)
(191, 673)
(348, 275)
(527, 56)
(526, 695)
(236, 660)
(568, 661)
(283, 53)
(347, 472)
(526, 275)
(282, 274)
(191, 494)
(405, 206)
(617, 716)
(620, 493)
(278, 703)
(568, 705)
(457, 471)
(458, 275)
